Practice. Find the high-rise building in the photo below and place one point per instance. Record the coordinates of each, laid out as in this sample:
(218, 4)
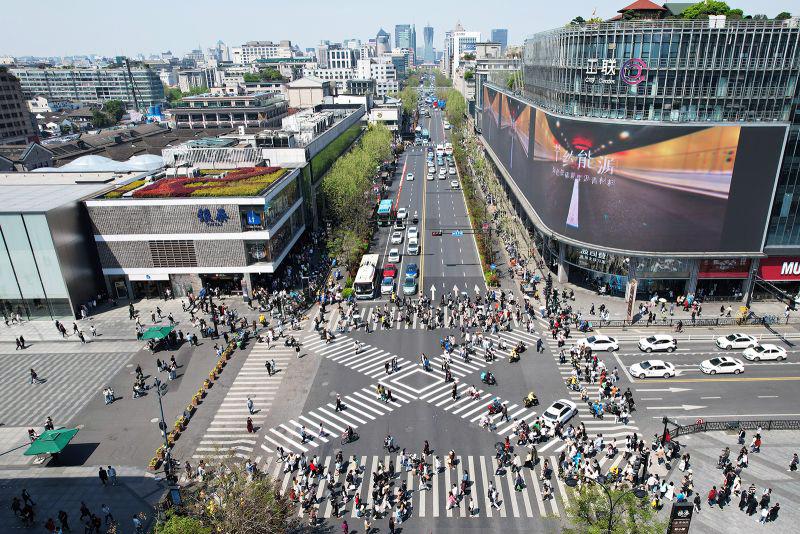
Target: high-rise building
(500, 35)
(457, 42)
(135, 86)
(402, 36)
(382, 44)
(428, 54)
(16, 124)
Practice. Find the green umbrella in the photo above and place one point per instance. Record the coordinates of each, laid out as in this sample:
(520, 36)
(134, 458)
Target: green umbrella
(51, 441)
(157, 332)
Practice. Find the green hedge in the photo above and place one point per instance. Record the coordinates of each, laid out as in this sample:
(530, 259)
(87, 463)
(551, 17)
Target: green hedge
(325, 158)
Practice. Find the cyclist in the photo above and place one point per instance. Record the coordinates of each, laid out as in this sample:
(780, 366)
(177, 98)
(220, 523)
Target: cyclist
(348, 434)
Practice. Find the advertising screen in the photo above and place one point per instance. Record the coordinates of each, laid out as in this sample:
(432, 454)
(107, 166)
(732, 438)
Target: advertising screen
(638, 187)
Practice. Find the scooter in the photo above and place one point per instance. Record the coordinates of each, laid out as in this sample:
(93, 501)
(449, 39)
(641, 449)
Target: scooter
(495, 407)
(531, 400)
(514, 357)
(488, 378)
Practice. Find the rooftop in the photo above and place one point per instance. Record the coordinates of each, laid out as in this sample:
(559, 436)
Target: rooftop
(243, 182)
(24, 192)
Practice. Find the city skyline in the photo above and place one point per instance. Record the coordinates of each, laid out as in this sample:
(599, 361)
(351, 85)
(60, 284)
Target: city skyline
(361, 21)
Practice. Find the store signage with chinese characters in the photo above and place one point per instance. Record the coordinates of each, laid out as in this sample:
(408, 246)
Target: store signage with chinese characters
(607, 71)
(779, 268)
(220, 217)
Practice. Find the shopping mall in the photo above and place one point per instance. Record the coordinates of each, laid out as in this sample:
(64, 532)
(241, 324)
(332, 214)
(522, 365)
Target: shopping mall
(656, 154)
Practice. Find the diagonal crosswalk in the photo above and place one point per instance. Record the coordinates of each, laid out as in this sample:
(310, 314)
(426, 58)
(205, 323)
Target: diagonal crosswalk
(325, 424)
(227, 433)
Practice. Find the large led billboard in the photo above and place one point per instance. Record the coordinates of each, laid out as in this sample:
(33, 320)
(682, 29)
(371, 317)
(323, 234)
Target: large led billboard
(639, 186)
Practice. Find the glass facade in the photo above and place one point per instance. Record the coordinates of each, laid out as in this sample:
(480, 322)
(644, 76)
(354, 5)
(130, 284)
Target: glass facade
(265, 217)
(31, 283)
(680, 71)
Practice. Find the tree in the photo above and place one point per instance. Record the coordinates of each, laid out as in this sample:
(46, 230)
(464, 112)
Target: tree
(172, 94)
(180, 524)
(577, 21)
(703, 9)
(100, 119)
(588, 513)
(114, 109)
(199, 90)
(468, 75)
(783, 15)
(228, 500)
(514, 80)
(251, 77)
(270, 74)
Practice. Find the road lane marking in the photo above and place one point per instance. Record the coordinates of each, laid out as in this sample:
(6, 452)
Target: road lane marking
(704, 398)
(731, 379)
(767, 396)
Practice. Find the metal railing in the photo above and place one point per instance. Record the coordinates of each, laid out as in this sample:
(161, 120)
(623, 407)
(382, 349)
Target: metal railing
(702, 425)
(688, 323)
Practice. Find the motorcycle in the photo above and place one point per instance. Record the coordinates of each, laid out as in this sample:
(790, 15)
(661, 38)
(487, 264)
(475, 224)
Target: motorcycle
(520, 348)
(488, 378)
(514, 357)
(531, 400)
(495, 407)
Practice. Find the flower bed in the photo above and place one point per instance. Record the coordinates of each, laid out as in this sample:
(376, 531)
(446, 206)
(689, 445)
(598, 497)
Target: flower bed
(240, 182)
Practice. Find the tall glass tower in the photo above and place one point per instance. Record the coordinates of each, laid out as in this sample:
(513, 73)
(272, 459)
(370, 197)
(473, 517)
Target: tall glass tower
(427, 32)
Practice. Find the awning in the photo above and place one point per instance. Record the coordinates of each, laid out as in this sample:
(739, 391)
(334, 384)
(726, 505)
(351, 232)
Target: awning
(157, 332)
(51, 441)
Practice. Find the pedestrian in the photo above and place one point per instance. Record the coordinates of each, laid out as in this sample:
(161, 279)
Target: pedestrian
(93, 330)
(81, 337)
(19, 345)
(109, 518)
(103, 474)
(697, 501)
(712, 496)
(250, 429)
(35, 378)
(250, 405)
(539, 345)
(137, 524)
(764, 516)
(26, 498)
(773, 512)
(84, 511)
(345, 527)
(268, 365)
(391, 525)
(50, 525)
(794, 462)
(112, 475)
(63, 520)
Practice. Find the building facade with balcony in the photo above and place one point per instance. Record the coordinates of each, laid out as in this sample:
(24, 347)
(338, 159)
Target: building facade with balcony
(649, 80)
(229, 111)
(17, 126)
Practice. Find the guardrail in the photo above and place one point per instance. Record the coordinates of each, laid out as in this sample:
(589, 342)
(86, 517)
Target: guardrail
(688, 323)
(710, 426)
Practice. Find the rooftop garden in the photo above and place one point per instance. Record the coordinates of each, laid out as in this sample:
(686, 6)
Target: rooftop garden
(244, 182)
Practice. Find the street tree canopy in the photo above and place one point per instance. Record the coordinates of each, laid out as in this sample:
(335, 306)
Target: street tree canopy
(588, 513)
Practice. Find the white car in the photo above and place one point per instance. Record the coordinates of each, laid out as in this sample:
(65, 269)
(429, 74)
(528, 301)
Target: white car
(722, 364)
(658, 342)
(599, 342)
(413, 232)
(431, 175)
(736, 341)
(413, 247)
(387, 285)
(652, 368)
(402, 213)
(454, 184)
(442, 172)
(394, 256)
(397, 238)
(767, 351)
(451, 170)
(560, 411)
(410, 176)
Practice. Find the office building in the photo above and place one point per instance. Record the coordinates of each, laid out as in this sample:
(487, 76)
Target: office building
(382, 43)
(17, 125)
(500, 35)
(633, 117)
(137, 86)
(457, 42)
(405, 36)
(252, 51)
(428, 54)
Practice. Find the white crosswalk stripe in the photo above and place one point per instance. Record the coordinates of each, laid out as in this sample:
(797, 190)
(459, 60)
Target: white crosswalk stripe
(360, 408)
(227, 433)
(527, 500)
(69, 382)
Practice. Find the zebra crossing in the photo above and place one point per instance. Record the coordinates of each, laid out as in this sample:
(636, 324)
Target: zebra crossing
(325, 424)
(534, 500)
(369, 360)
(70, 381)
(611, 429)
(368, 314)
(227, 433)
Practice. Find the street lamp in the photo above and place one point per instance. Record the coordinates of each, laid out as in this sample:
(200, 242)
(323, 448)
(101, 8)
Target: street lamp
(162, 425)
(638, 491)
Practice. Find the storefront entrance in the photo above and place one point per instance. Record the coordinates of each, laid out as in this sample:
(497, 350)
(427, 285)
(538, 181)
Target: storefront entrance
(228, 284)
(150, 289)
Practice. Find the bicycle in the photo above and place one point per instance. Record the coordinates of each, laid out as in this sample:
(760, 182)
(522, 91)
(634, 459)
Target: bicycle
(353, 438)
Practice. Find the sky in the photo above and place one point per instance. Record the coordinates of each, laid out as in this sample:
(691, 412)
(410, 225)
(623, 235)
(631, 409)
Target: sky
(115, 27)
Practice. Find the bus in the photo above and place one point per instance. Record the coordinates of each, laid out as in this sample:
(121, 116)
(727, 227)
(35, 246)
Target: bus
(385, 212)
(366, 278)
